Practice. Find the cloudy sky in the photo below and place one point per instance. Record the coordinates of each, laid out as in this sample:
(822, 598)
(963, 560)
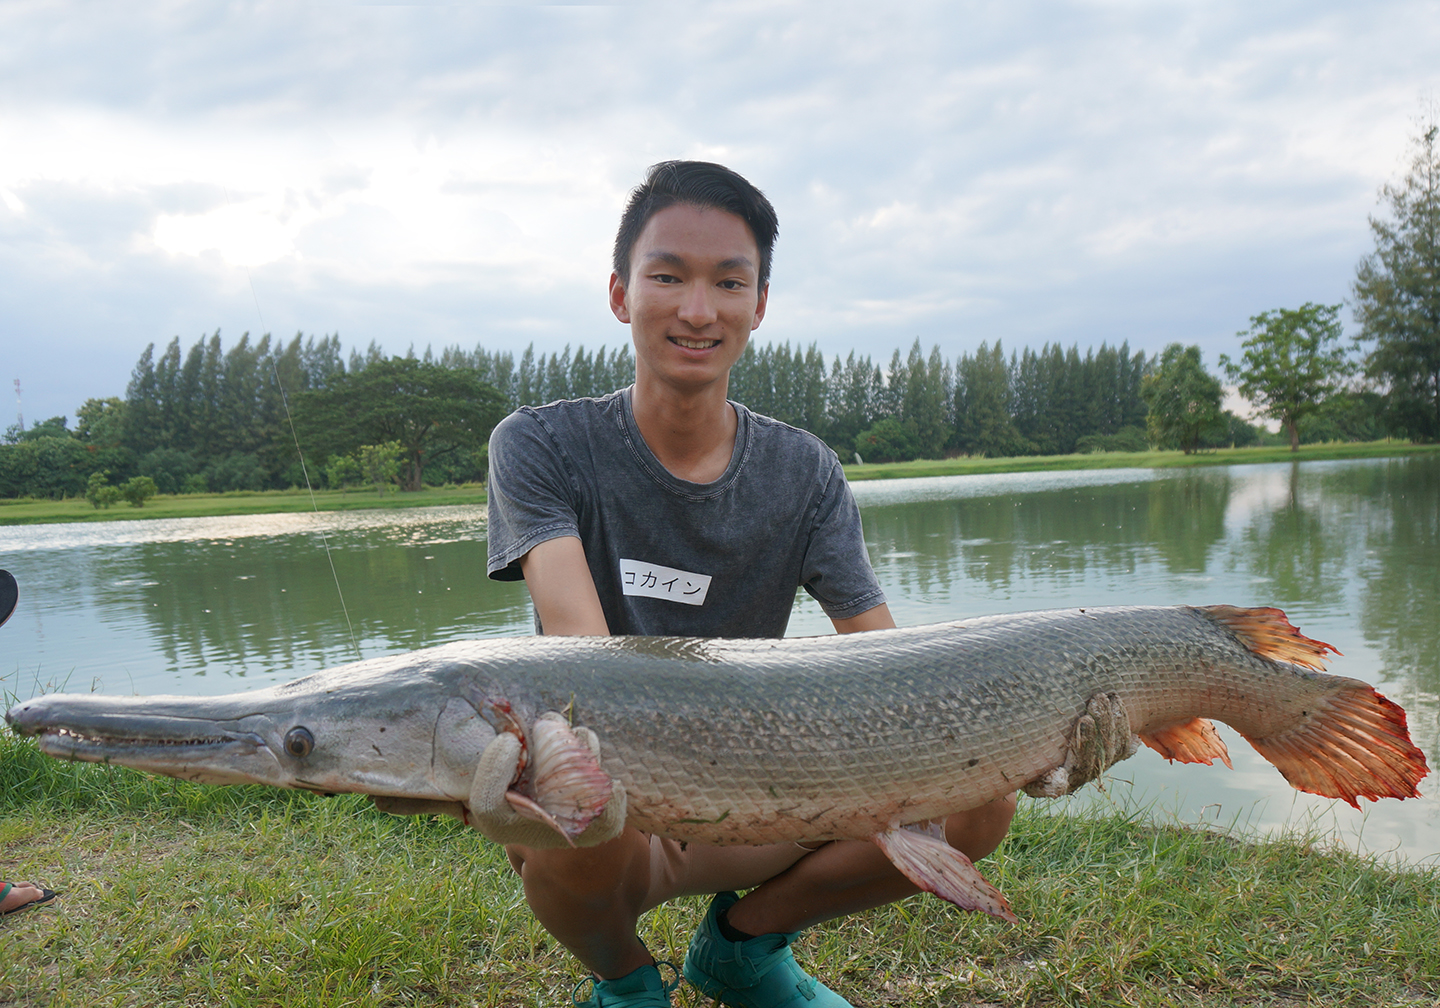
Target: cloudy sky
(432, 175)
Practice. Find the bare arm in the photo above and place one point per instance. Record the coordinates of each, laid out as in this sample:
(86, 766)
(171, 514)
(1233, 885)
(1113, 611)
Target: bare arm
(563, 591)
(878, 618)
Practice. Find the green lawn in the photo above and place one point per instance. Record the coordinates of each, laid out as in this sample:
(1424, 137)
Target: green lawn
(29, 510)
(26, 510)
(182, 895)
(1137, 460)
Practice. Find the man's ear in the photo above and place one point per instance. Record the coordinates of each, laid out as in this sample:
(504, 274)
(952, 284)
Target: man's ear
(760, 303)
(617, 299)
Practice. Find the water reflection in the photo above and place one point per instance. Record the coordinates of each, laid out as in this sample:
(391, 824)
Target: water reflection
(1351, 550)
(193, 604)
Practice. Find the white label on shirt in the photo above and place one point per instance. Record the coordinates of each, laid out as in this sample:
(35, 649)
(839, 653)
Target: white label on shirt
(654, 581)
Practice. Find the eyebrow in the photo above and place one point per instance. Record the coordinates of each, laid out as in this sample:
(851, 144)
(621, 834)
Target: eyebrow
(670, 258)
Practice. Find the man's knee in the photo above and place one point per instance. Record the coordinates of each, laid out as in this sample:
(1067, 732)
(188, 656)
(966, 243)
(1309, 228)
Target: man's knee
(978, 831)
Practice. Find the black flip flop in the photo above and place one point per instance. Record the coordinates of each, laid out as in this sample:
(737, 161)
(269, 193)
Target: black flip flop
(9, 595)
(46, 895)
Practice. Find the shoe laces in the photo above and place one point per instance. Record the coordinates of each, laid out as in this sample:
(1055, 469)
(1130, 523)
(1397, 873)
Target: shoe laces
(666, 988)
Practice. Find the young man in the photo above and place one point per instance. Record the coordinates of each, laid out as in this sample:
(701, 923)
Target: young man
(590, 498)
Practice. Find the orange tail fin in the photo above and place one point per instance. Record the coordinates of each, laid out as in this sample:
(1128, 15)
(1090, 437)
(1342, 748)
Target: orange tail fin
(1354, 744)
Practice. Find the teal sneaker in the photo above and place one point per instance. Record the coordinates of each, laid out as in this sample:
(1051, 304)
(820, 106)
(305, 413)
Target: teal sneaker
(641, 988)
(759, 973)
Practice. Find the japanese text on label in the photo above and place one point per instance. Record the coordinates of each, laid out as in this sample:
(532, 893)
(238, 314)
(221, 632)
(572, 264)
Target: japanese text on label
(654, 581)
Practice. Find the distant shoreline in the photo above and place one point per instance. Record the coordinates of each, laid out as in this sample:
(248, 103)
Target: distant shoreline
(33, 511)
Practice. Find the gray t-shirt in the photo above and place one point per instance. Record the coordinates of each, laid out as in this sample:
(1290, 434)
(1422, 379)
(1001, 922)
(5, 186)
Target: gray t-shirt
(668, 556)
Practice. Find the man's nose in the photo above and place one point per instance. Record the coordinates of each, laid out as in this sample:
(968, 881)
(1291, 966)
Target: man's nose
(698, 307)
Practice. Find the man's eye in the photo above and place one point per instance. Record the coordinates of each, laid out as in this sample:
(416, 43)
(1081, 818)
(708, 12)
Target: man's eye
(665, 278)
(732, 284)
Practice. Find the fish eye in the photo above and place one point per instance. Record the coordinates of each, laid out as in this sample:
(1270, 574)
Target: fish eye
(299, 742)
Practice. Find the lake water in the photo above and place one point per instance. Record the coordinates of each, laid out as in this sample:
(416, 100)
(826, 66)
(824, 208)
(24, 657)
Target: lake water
(1350, 550)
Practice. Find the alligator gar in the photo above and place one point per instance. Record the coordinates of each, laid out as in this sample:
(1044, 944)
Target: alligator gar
(806, 739)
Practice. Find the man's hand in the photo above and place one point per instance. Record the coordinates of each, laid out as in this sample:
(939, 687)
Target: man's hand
(490, 812)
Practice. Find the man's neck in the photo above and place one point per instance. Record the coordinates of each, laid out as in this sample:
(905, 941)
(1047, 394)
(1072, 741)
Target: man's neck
(691, 433)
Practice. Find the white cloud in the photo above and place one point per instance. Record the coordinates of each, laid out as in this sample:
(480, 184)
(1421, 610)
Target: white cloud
(1032, 172)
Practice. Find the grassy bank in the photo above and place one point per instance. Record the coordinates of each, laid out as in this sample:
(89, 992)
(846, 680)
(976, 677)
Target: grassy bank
(176, 894)
(27, 511)
(30, 511)
(1137, 460)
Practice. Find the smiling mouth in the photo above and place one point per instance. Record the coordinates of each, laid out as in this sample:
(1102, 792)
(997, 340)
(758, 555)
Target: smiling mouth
(694, 344)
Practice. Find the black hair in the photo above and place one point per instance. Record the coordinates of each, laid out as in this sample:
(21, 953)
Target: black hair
(701, 184)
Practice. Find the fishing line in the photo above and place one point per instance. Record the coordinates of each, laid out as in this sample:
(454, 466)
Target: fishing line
(300, 454)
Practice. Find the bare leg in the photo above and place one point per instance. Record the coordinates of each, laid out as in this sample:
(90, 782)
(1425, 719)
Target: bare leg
(852, 875)
(589, 899)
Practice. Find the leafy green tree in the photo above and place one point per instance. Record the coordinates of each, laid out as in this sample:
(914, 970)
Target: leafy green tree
(1184, 401)
(169, 468)
(852, 391)
(1292, 363)
(54, 467)
(55, 427)
(1127, 439)
(343, 472)
(888, 440)
(100, 492)
(137, 490)
(240, 471)
(1397, 293)
(380, 465)
(215, 404)
(1239, 432)
(1346, 416)
(431, 410)
(926, 398)
(101, 421)
(983, 422)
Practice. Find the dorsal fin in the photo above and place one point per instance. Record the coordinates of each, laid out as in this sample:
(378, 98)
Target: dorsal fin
(1266, 632)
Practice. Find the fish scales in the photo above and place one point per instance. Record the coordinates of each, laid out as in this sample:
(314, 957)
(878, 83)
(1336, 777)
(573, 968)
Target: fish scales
(757, 741)
(740, 741)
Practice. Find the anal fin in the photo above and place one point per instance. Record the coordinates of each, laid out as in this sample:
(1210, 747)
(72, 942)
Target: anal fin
(936, 867)
(1193, 741)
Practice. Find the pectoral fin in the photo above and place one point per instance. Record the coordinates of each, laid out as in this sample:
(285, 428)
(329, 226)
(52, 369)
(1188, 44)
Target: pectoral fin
(936, 867)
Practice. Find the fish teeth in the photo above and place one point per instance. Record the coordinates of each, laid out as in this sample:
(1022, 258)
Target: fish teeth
(118, 740)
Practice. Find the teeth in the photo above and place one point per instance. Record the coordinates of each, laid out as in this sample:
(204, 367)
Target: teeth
(124, 741)
(695, 344)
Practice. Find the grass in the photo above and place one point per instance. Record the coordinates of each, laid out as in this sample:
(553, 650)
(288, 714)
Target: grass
(180, 895)
(1137, 460)
(31, 510)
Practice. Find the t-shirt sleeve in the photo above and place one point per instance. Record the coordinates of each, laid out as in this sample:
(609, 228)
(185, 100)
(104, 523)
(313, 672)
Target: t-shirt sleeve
(530, 495)
(836, 570)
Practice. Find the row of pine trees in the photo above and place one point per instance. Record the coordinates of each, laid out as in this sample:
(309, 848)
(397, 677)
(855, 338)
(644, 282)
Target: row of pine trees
(213, 418)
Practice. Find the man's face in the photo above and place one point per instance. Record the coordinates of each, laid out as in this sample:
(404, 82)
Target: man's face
(692, 297)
